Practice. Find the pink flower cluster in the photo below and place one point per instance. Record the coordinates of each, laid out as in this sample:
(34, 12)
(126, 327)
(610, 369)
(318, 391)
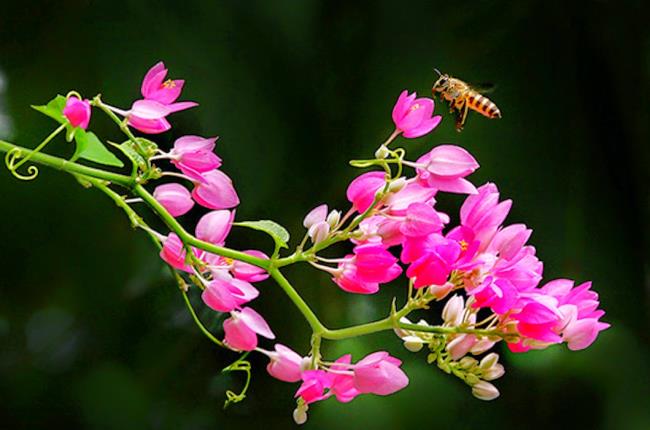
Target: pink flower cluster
(491, 262)
(378, 373)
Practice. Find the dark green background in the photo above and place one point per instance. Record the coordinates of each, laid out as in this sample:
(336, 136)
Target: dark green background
(93, 333)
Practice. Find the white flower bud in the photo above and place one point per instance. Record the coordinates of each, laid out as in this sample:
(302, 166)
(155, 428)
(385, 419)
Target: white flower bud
(458, 347)
(467, 362)
(381, 153)
(397, 185)
(485, 391)
(489, 360)
(300, 414)
(453, 310)
(413, 343)
(482, 346)
(319, 232)
(305, 364)
(495, 372)
(333, 218)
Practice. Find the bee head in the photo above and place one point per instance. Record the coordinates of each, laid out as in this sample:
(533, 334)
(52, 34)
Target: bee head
(442, 82)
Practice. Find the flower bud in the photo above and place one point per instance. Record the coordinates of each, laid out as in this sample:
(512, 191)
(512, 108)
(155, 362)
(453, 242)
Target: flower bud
(413, 343)
(319, 232)
(175, 198)
(306, 363)
(472, 379)
(333, 218)
(482, 346)
(381, 153)
(314, 216)
(485, 391)
(489, 360)
(77, 112)
(467, 362)
(460, 346)
(453, 311)
(440, 291)
(397, 185)
(300, 414)
(495, 372)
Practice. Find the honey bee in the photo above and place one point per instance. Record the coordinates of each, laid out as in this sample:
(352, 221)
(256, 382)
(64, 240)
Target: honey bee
(461, 98)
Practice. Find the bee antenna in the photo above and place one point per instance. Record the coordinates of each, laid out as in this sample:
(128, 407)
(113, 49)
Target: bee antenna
(437, 71)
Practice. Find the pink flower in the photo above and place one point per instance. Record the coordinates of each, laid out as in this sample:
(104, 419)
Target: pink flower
(194, 155)
(445, 167)
(413, 192)
(348, 280)
(361, 191)
(175, 198)
(285, 364)
(155, 87)
(413, 116)
(173, 253)
(215, 226)
(316, 223)
(148, 115)
(248, 272)
(420, 220)
(433, 259)
(343, 380)
(226, 293)
(379, 373)
(77, 112)
(242, 328)
(217, 192)
(375, 264)
(498, 294)
(483, 214)
(314, 384)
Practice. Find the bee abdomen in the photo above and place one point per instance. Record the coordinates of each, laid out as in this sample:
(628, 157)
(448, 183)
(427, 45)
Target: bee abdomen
(483, 105)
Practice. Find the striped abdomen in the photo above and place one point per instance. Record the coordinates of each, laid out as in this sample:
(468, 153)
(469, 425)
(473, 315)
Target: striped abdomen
(483, 105)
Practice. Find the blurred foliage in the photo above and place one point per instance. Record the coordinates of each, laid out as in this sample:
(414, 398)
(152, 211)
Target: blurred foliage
(93, 332)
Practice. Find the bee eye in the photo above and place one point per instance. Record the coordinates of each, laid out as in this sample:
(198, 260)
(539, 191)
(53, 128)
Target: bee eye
(443, 81)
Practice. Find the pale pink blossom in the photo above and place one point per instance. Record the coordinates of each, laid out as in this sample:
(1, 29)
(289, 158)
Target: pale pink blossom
(193, 155)
(413, 117)
(173, 253)
(445, 167)
(242, 328)
(175, 198)
(217, 192)
(285, 364)
(247, 272)
(225, 293)
(77, 112)
(215, 226)
(379, 373)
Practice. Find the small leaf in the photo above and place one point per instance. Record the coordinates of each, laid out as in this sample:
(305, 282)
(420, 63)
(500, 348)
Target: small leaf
(89, 147)
(54, 109)
(279, 234)
(133, 155)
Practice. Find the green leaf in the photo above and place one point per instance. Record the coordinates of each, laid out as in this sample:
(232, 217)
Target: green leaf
(133, 155)
(89, 147)
(279, 234)
(54, 109)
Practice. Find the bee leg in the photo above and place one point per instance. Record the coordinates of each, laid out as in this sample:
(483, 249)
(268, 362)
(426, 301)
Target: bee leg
(462, 116)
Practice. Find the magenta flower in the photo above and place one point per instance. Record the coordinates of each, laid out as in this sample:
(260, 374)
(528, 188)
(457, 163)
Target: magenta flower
(343, 380)
(175, 198)
(413, 116)
(149, 115)
(194, 155)
(379, 373)
(225, 293)
(445, 167)
(361, 191)
(242, 328)
(375, 264)
(483, 214)
(77, 112)
(215, 226)
(285, 364)
(314, 384)
(217, 192)
(155, 87)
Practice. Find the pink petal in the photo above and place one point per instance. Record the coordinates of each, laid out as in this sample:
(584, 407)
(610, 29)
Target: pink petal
(214, 226)
(256, 322)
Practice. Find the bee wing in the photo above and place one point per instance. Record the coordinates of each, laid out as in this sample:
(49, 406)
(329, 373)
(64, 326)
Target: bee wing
(484, 87)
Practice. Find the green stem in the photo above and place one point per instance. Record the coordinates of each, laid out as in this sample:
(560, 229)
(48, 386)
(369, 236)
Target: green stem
(190, 240)
(302, 306)
(97, 101)
(47, 140)
(69, 166)
(198, 322)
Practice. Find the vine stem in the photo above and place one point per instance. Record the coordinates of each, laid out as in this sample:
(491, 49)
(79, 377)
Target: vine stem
(69, 166)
